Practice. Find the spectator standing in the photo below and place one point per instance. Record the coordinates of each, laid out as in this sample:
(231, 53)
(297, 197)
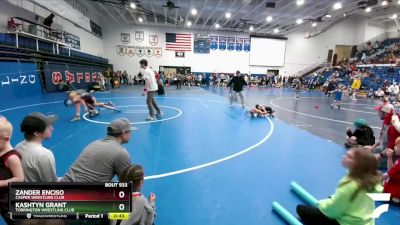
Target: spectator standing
(151, 88)
(238, 83)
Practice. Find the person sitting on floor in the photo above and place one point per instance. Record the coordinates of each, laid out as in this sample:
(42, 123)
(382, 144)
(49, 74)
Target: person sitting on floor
(65, 86)
(362, 135)
(94, 86)
(350, 204)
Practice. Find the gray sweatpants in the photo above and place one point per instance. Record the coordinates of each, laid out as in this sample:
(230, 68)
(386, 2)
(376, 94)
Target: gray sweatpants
(152, 104)
(240, 95)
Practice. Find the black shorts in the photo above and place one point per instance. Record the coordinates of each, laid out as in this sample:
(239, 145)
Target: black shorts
(269, 110)
(89, 100)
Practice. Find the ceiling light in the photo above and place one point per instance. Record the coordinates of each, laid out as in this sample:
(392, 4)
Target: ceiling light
(140, 20)
(189, 23)
(300, 2)
(251, 28)
(344, 14)
(133, 5)
(328, 15)
(384, 3)
(228, 15)
(314, 24)
(217, 25)
(193, 11)
(276, 30)
(337, 5)
(368, 9)
(269, 18)
(393, 17)
(398, 2)
(299, 21)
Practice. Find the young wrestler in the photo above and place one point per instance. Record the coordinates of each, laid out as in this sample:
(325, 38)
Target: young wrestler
(262, 111)
(338, 97)
(89, 103)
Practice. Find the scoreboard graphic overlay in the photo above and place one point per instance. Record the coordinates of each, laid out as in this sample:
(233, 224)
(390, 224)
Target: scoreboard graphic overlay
(70, 200)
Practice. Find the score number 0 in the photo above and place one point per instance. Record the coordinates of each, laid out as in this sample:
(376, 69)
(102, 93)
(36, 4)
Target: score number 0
(121, 195)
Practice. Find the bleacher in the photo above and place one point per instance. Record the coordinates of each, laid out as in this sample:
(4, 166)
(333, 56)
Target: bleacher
(382, 46)
(35, 45)
(380, 72)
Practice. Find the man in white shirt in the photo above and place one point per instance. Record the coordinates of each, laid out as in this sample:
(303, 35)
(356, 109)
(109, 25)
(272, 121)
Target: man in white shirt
(151, 88)
(37, 161)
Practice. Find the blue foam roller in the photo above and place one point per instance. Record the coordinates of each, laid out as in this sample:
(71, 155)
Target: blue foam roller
(303, 194)
(286, 215)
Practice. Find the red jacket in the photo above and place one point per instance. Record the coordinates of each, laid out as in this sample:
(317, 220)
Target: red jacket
(392, 135)
(392, 186)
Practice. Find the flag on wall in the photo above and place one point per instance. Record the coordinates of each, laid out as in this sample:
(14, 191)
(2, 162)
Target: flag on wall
(239, 44)
(231, 43)
(214, 42)
(247, 44)
(222, 43)
(178, 42)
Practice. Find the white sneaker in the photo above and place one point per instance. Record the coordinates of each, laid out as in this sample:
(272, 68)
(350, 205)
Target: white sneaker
(151, 118)
(160, 114)
(76, 118)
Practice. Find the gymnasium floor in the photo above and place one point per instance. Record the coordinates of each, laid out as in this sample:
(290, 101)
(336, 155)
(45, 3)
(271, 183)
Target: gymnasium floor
(210, 164)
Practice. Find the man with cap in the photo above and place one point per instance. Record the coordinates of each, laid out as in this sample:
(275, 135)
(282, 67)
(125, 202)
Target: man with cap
(37, 161)
(238, 83)
(101, 160)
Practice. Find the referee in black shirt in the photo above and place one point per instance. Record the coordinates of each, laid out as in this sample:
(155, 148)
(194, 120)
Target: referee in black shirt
(238, 83)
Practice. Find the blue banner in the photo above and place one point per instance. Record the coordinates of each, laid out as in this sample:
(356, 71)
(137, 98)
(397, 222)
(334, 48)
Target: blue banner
(247, 44)
(231, 43)
(201, 43)
(78, 75)
(19, 80)
(222, 43)
(239, 44)
(214, 42)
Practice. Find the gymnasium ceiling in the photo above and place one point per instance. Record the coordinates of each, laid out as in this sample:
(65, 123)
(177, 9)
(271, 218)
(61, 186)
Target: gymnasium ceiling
(244, 13)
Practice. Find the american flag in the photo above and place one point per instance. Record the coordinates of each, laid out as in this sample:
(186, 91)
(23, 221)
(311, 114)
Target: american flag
(178, 42)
